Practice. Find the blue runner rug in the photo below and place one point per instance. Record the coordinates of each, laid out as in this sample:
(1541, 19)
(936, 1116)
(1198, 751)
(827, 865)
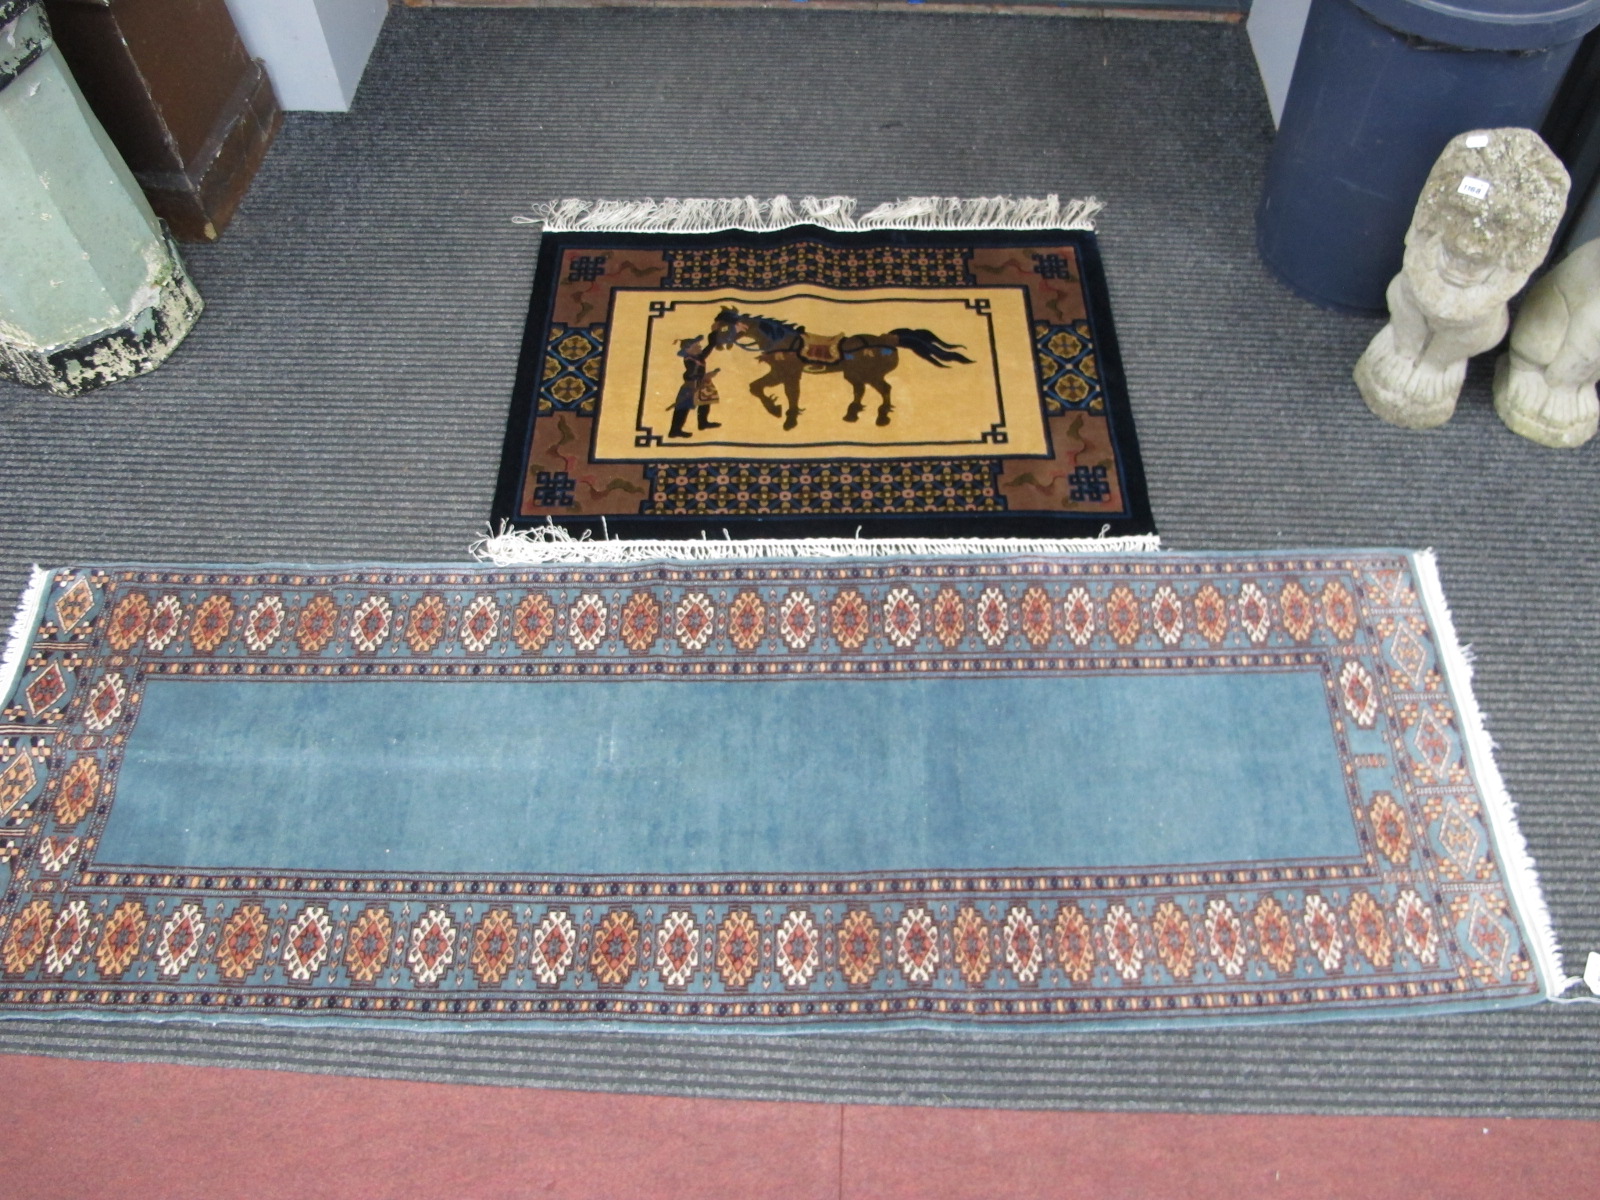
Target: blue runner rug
(758, 795)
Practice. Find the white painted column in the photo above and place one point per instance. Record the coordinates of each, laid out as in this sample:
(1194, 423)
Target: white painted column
(314, 50)
(1275, 27)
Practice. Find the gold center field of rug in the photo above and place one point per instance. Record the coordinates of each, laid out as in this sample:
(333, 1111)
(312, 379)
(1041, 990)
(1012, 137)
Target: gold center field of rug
(943, 409)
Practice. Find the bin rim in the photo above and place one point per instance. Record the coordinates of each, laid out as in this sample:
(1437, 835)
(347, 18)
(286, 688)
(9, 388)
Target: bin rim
(1487, 24)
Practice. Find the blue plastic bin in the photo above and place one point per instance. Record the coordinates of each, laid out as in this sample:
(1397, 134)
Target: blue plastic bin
(1379, 87)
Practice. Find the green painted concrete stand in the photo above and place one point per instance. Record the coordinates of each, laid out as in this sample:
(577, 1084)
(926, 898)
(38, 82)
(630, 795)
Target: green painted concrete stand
(91, 288)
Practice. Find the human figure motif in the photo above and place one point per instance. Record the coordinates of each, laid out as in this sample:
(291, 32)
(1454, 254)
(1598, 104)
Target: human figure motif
(1544, 386)
(698, 393)
(1483, 223)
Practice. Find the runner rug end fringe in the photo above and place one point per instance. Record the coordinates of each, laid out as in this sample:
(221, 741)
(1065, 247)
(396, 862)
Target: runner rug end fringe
(760, 795)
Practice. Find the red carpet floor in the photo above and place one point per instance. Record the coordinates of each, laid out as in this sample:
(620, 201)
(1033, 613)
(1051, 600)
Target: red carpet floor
(81, 1130)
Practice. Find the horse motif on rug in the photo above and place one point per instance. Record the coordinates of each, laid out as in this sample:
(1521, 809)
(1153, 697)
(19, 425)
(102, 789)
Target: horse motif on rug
(790, 351)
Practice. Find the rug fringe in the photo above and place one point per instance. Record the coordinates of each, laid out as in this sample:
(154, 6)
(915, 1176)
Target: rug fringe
(1522, 875)
(829, 212)
(16, 652)
(550, 544)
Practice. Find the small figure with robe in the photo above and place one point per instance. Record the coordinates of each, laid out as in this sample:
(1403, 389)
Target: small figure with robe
(698, 393)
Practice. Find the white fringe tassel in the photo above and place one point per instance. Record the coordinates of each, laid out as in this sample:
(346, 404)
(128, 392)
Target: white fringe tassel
(27, 617)
(1522, 877)
(829, 212)
(552, 545)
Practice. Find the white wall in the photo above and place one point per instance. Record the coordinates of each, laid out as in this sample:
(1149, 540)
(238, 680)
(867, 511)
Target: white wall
(1275, 27)
(314, 50)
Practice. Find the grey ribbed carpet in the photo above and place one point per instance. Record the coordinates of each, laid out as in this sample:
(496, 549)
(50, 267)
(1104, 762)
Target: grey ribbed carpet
(344, 398)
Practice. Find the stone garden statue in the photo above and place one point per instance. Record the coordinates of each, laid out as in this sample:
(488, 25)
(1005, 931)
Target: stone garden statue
(91, 289)
(1482, 225)
(1544, 386)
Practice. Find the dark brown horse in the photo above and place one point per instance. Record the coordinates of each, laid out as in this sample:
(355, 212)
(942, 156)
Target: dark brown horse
(864, 359)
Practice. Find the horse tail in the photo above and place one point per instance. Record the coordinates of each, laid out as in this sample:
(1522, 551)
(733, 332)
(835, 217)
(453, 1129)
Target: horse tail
(929, 345)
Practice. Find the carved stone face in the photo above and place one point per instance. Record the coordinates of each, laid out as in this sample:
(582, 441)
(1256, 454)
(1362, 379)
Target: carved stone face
(1454, 286)
(1484, 221)
(1461, 268)
(1497, 194)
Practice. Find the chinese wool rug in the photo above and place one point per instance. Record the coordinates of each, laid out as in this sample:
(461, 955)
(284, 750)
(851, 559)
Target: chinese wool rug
(833, 378)
(759, 796)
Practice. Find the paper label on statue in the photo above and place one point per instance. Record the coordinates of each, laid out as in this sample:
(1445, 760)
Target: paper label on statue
(1472, 186)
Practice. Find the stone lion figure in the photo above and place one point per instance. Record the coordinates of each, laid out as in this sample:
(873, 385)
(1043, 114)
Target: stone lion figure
(1544, 386)
(1482, 225)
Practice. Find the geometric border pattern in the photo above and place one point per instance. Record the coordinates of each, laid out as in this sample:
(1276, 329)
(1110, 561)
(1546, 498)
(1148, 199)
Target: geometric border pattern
(1069, 376)
(1420, 916)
